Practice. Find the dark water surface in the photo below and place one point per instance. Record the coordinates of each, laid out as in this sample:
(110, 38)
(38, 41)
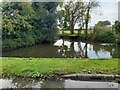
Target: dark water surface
(67, 49)
(68, 83)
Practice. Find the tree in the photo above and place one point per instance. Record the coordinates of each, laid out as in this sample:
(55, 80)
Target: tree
(107, 22)
(72, 13)
(45, 20)
(89, 7)
(77, 12)
(103, 23)
(26, 23)
(117, 27)
(63, 19)
(15, 19)
(16, 28)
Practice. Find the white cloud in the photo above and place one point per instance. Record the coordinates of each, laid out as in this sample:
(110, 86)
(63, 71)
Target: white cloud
(109, 12)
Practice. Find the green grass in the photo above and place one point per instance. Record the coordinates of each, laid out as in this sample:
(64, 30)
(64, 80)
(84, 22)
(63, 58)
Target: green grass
(36, 67)
(67, 32)
(75, 32)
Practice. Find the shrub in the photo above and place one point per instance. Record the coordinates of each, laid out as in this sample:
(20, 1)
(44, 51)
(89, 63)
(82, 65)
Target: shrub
(105, 36)
(8, 43)
(28, 40)
(19, 42)
(118, 38)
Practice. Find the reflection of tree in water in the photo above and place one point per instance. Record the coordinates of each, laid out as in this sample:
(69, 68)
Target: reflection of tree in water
(116, 51)
(83, 53)
(86, 56)
(65, 51)
(113, 49)
(78, 49)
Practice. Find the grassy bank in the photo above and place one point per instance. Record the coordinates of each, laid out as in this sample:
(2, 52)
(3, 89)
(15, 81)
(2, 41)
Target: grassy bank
(37, 67)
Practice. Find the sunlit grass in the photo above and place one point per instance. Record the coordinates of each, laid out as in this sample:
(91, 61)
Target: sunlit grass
(32, 67)
(75, 32)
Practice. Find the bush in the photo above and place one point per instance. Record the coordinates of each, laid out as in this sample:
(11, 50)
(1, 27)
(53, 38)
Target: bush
(118, 38)
(28, 40)
(105, 36)
(19, 42)
(117, 27)
(8, 43)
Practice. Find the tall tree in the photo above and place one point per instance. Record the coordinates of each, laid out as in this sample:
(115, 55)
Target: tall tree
(117, 27)
(45, 20)
(77, 12)
(15, 19)
(89, 7)
(72, 13)
(16, 28)
(103, 23)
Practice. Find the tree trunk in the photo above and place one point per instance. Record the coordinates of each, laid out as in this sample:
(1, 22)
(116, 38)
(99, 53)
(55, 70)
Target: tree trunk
(86, 29)
(86, 56)
(79, 31)
(87, 21)
(72, 25)
(71, 29)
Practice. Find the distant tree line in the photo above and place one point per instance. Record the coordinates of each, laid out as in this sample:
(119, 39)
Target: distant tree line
(78, 12)
(28, 23)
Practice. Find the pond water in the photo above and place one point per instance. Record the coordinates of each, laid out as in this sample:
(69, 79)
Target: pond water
(62, 84)
(65, 48)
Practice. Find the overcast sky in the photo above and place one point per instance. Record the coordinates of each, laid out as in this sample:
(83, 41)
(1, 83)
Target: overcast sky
(108, 11)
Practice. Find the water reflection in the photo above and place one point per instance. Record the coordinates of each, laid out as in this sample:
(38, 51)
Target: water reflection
(72, 49)
(77, 49)
(67, 49)
(36, 83)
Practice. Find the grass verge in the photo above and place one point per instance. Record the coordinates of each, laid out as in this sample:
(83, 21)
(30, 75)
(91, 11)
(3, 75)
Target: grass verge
(38, 67)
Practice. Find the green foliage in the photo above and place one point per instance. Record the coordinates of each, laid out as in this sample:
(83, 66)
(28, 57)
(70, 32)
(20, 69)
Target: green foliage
(25, 24)
(116, 26)
(70, 14)
(117, 38)
(76, 13)
(15, 25)
(104, 35)
(28, 40)
(9, 43)
(103, 23)
(19, 42)
(45, 21)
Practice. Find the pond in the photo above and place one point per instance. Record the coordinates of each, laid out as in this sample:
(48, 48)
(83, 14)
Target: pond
(62, 84)
(66, 48)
